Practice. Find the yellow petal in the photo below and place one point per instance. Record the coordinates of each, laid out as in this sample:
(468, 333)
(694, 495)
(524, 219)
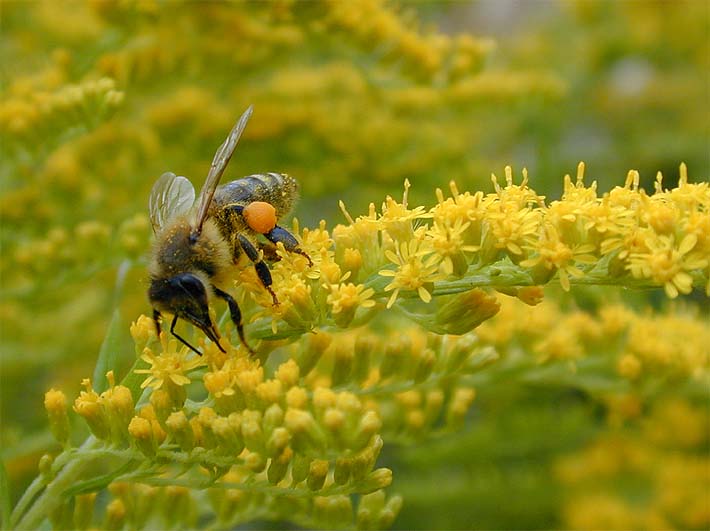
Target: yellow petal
(424, 294)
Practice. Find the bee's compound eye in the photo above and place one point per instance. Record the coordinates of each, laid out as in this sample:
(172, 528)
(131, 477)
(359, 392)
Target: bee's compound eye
(260, 216)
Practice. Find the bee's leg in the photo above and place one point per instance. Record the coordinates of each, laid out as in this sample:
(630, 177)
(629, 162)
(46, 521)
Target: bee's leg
(279, 234)
(262, 270)
(235, 313)
(172, 331)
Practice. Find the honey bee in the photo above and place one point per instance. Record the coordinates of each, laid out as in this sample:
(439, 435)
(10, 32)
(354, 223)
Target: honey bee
(198, 243)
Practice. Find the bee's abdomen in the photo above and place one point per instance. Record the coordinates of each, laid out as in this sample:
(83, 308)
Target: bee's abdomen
(278, 189)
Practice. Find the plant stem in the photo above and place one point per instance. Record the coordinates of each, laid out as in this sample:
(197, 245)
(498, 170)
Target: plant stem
(52, 497)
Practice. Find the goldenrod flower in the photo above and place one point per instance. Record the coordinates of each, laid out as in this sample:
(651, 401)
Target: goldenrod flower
(344, 299)
(667, 263)
(554, 254)
(396, 218)
(55, 402)
(413, 272)
(170, 366)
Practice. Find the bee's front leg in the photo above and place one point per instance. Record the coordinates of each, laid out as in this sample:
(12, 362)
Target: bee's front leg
(235, 313)
(279, 234)
(262, 270)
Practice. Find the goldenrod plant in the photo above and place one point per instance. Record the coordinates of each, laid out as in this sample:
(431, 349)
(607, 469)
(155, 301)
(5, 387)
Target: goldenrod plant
(455, 348)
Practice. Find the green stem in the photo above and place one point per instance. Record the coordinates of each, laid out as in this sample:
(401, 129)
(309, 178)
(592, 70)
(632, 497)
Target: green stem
(37, 484)
(52, 496)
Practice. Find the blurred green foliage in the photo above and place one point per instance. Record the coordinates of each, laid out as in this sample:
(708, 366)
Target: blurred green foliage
(100, 98)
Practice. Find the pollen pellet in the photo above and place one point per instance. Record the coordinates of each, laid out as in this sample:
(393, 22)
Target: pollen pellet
(260, 216)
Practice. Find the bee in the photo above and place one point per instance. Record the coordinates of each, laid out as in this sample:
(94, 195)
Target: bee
(199, 242)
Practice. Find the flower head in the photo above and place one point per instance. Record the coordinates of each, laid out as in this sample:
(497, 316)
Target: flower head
(170, 366)
(668, 262)
(413, 271)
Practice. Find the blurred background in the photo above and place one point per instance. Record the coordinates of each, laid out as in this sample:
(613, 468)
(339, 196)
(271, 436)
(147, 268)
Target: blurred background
(99, 98)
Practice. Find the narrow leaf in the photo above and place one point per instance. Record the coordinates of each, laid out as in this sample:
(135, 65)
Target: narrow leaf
(108, 353)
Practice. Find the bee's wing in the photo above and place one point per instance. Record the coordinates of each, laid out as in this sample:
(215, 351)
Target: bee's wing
(219, 163)
(171, 195)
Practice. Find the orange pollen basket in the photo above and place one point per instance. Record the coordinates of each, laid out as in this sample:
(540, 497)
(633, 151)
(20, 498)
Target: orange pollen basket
(260, 216)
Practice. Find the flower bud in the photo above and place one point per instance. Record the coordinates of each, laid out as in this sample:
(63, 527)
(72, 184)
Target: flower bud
(313, 350)
(204, 419)
(330, 512)
(45, 467)
(180, 430)
(369, 508)
(396, 356)
(390, 512)
(288, 373)
(369, 425)
(251, 430)
(459, 352)
(142, 432)
(279, 466)
(254, 462)
(425, 365)
(305, 432)
(278, 441)
(84, 510)
(433, 405)
(115, 515)
(296, 398)
(300, 465)
(341, 472)
(273, 418)
(87, 405)
(377, 479)
(227, 435)
(162, 404)
(270, 391)
(364, 345)
(143, 331)
(182, 513)
(317, 473)
(458, 405)
(55, 402)
(629, 366)
(465, 311)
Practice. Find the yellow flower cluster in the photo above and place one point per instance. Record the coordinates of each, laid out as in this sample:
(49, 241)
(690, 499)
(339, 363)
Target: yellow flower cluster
(376, 24)
(509, 240)
(30, 121)
(638, 347)
(661, 454)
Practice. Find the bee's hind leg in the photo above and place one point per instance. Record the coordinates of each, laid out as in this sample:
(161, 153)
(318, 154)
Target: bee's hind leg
(236, 315)
(279, 234)
(262, 270)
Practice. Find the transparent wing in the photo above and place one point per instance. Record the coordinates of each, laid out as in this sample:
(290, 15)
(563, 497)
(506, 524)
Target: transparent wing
(219, 163)
(171, 195)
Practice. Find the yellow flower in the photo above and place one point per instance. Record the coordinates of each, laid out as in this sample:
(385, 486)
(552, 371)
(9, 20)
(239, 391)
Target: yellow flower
(556, 254)
(344, 299)
(448, 240)
(171, 366)
(413, 271)
(511, 227)
(397, 218)
(667, 263)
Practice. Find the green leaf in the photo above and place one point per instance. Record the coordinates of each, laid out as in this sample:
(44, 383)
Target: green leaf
(108, 353)
(5, 502)
(132, 380)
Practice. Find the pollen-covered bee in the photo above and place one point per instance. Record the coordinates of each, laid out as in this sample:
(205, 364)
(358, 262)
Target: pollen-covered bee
(198, 243)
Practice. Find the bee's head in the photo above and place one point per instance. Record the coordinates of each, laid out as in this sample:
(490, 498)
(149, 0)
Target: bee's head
(184, 296)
